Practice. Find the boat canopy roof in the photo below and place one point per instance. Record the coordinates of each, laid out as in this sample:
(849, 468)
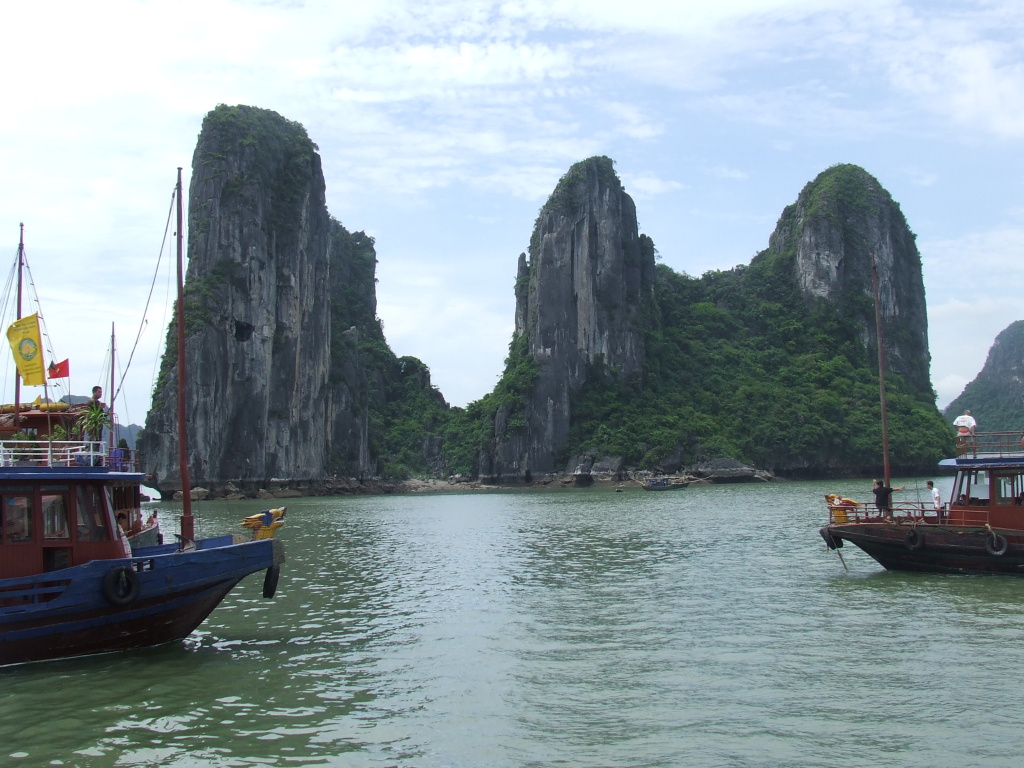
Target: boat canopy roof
(55, 474)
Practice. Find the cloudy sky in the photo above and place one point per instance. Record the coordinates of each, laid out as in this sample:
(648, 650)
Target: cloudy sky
(443, 127)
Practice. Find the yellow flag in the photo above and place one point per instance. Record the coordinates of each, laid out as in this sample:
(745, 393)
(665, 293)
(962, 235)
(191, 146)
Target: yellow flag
(28, 350)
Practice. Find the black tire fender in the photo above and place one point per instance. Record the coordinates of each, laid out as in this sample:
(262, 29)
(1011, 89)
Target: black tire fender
(121, 585)
(270, 581)
(914, 540)
(996, 544)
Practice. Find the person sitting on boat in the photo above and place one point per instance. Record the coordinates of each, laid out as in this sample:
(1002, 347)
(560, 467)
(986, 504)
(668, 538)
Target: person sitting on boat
(883, 497)
(966, 431)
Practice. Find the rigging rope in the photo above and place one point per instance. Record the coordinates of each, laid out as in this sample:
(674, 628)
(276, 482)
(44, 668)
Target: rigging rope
(149, 298)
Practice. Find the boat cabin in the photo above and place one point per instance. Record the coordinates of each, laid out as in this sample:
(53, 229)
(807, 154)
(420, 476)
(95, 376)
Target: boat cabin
(988, 489)
(55, 517)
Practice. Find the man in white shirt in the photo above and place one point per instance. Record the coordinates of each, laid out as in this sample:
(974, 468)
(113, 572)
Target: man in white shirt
(936, 498)
(966, 430)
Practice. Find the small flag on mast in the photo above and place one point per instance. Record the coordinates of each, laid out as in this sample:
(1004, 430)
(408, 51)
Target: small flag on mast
(58, 370)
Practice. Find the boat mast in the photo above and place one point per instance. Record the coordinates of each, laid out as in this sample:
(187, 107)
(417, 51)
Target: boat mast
(17, 376)
(881, 370)
(110, 410)
(187, 522)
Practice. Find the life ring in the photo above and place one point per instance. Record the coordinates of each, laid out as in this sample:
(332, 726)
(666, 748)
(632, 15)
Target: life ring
(996, 544)
(914, 540)
(121, 585)
(270, 581)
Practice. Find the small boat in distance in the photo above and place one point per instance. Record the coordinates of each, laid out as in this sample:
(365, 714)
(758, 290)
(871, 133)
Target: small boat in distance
(663, 484)
(980, 529)
(70, 583)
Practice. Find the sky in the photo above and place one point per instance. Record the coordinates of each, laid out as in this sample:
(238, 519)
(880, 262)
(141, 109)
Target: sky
(444, 126)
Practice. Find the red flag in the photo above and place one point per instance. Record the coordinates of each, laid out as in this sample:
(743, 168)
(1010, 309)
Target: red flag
(58, 370)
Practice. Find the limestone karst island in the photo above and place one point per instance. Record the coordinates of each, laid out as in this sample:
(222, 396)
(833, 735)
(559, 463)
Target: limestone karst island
(617, 363)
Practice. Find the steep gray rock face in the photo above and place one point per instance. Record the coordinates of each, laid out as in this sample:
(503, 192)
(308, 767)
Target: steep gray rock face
(580, 304)
(274, 390)
(837, 222)
(996, 396)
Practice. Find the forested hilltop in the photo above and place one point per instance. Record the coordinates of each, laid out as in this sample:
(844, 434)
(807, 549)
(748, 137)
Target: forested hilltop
(616, 362)
(996, 397)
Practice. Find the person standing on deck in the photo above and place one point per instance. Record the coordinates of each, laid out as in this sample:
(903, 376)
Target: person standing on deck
(966, 432)
(936, 499)
(883, 497)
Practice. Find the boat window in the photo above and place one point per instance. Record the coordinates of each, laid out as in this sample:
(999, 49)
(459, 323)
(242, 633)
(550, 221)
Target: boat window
(90, 514)
(55, 516)
(1007, 489)
(979, 492)
(17, 518)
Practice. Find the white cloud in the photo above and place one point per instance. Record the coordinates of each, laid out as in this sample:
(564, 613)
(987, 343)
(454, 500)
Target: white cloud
(645, 186)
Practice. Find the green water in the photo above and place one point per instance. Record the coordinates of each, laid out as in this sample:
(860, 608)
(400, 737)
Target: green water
(705, 627)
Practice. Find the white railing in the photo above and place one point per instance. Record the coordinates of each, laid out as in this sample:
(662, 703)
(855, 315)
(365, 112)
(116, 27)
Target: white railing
(65, 453)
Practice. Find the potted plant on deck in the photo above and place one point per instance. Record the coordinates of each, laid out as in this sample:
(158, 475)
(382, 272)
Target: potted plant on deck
(92, 422)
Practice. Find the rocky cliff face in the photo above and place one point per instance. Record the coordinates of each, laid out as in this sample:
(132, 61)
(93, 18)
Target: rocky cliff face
(580, 308)
(996, 397)
(275, 290)
(839, 220)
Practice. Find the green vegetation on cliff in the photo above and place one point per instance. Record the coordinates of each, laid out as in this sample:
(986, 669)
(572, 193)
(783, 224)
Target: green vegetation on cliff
(740, 366)
(741, 363)
(996, 397)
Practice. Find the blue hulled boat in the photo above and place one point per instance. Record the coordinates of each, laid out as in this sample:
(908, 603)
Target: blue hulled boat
(70, 585)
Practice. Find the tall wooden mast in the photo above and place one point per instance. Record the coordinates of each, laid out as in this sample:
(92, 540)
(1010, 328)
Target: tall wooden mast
(881, 370)
(17, 376)
(187, 521)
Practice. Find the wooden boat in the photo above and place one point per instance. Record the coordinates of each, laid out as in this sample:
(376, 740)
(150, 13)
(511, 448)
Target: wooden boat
(70, 583)
(979, 530)
(663, 484)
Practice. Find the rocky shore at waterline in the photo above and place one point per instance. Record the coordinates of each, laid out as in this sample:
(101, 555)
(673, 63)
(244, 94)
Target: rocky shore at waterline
(715, 472)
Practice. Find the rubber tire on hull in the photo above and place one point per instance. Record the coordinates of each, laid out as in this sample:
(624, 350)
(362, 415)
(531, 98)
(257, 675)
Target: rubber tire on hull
(996, 544)
(121, 585)
(270, 581)
(914, 540)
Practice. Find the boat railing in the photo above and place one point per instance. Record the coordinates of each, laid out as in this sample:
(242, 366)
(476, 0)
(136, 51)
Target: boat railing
(843, 511)
(66, 453)
(993, 445)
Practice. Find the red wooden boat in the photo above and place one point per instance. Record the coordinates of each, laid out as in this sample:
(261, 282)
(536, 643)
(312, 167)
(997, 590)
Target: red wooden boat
(979, 530)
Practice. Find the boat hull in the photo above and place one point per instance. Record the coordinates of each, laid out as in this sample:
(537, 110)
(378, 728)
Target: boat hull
(73, 612)
(933, 548)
